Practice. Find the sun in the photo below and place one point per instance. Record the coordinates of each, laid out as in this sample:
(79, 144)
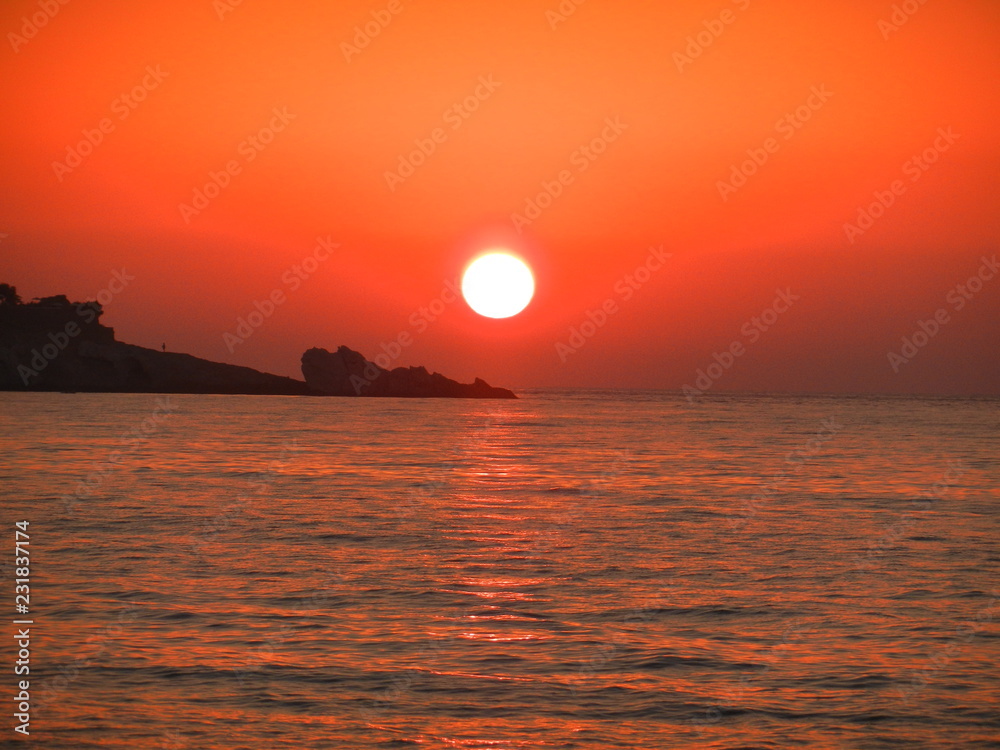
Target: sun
(498, 284)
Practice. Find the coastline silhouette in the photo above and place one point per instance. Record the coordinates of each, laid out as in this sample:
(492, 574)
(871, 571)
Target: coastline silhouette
(53, 344)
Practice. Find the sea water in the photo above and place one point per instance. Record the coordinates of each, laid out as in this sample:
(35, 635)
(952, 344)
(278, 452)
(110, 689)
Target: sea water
(568, 570)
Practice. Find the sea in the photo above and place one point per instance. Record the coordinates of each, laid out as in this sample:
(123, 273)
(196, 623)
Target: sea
(573, 569)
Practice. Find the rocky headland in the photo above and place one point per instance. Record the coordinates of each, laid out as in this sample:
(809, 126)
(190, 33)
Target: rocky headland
(347, 373)
(53, 344)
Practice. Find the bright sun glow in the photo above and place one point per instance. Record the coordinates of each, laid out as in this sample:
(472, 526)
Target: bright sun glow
(498, 284)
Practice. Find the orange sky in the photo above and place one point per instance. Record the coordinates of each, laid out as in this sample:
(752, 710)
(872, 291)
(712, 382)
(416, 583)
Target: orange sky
(869, 98)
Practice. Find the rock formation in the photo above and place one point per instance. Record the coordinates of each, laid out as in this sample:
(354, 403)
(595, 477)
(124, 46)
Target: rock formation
(53, 344)
(57, 345)
(347, 373)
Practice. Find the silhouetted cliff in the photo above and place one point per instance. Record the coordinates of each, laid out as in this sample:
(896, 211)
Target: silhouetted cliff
(347, 373)
(53, 344)
(57, 345)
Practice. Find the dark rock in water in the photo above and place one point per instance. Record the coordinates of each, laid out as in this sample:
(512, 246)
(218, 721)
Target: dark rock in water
(347, 373)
